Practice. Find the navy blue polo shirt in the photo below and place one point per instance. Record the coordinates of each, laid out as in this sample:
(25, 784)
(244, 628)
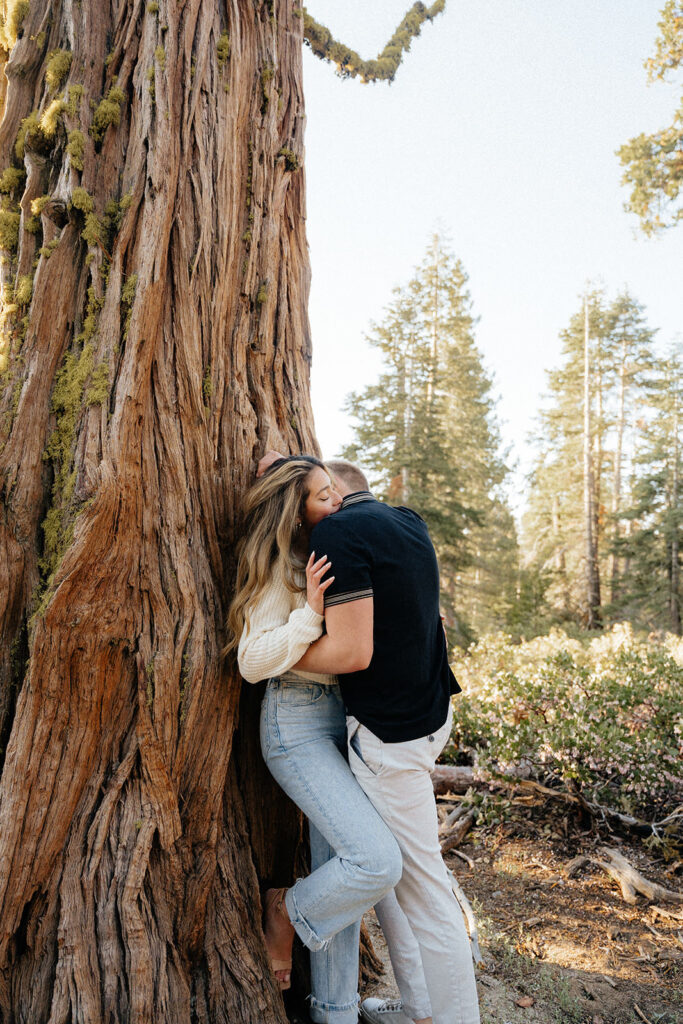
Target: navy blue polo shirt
(386, 553)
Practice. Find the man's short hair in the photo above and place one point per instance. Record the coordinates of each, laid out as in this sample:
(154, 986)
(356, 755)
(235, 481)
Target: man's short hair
(350, 474)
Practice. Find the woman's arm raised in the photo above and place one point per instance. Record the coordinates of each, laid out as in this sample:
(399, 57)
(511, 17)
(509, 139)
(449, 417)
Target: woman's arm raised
(276, 637)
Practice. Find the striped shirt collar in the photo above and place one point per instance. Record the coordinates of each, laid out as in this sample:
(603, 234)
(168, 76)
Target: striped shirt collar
(353, 499)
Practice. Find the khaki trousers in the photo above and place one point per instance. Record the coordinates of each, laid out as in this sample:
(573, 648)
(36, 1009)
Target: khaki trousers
(396, 778)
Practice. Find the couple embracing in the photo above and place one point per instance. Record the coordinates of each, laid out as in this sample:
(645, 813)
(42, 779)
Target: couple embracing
(337, 606)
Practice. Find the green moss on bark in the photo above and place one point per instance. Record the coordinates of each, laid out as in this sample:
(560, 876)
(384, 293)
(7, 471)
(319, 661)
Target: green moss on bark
(9, 227)
(67, 403)
(57, 68)
(75, 148)
(290, 158)
(107, 112)
(24, 290)
(98, 389)
(223, 49)
(74, 100)
(10, 25)
(11, 180)
(127, 299)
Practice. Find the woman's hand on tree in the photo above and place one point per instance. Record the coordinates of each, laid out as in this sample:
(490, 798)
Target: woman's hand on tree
(315, 585)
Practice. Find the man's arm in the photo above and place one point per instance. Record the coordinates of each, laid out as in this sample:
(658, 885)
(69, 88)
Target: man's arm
(347, 646)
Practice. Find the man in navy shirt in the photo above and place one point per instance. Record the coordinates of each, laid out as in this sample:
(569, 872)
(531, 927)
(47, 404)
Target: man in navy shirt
(386, 642)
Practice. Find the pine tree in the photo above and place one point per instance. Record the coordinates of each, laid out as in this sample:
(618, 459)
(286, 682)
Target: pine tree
(633, 364)
(651, 587)
(576, 480)
(427, 434)
(654, 163)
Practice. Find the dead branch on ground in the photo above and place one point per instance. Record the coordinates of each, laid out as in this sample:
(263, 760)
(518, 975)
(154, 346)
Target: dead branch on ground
(466, 908)
(461, 829)
(630, 880)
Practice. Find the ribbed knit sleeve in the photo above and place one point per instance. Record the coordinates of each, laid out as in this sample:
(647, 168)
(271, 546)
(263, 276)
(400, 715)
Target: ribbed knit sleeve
(277, 636)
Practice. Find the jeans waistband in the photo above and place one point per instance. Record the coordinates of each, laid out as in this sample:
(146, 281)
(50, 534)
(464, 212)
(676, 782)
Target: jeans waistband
(293, 678)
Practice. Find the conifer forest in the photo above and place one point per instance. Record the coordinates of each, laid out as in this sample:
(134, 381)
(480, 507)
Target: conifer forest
(156, 312)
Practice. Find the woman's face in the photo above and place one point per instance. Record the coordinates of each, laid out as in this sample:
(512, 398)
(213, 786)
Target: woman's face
(322, 498)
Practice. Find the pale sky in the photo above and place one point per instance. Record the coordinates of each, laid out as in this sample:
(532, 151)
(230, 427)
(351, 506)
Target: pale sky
(500, 131)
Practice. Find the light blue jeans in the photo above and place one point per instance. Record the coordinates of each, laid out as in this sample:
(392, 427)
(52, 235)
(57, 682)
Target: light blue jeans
(355, 859)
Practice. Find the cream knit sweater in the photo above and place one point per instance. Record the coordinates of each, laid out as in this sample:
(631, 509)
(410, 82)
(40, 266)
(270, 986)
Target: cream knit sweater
(281, 627)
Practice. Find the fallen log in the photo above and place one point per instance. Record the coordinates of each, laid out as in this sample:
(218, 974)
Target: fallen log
(451, 778)
(459, 778)
(630, 880)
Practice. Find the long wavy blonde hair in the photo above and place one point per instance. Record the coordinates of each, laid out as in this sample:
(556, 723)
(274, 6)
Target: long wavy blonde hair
(272, 520)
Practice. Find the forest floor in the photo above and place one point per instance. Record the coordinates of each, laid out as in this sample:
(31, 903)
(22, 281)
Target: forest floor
(560, 950)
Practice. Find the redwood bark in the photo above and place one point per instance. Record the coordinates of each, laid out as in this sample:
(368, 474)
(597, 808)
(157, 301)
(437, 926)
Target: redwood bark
(131, 843)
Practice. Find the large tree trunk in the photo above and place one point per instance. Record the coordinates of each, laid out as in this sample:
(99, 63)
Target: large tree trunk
(166, 345)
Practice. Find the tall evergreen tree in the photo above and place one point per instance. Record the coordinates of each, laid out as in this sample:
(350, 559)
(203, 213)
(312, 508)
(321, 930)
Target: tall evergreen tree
(633, 365)
(651, 585)
(427, 433)
(653, 164)
(576, 487)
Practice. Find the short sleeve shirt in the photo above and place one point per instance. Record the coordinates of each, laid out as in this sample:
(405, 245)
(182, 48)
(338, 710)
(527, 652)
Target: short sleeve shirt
(386, 553)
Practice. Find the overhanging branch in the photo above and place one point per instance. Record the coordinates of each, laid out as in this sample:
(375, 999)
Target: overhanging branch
(386, 64)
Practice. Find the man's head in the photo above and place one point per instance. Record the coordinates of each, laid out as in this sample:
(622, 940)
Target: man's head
(348, 478)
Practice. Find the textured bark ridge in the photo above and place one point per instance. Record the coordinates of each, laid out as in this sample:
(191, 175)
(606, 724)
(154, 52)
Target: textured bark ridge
(154, 341)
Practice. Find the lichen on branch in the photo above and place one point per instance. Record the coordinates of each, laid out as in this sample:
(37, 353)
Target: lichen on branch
(386, 64)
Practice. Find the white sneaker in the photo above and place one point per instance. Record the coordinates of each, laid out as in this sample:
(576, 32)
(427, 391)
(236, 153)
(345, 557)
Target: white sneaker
(383, 1011)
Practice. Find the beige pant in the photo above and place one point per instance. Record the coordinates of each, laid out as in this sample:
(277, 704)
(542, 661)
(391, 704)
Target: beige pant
(396, 778)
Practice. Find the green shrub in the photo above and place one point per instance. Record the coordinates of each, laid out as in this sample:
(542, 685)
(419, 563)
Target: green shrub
(605, 715)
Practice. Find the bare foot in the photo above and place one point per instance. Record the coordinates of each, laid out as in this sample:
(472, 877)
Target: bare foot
(279, 935)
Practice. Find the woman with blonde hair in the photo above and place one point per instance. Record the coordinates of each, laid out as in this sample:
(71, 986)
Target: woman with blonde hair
(276, 613)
